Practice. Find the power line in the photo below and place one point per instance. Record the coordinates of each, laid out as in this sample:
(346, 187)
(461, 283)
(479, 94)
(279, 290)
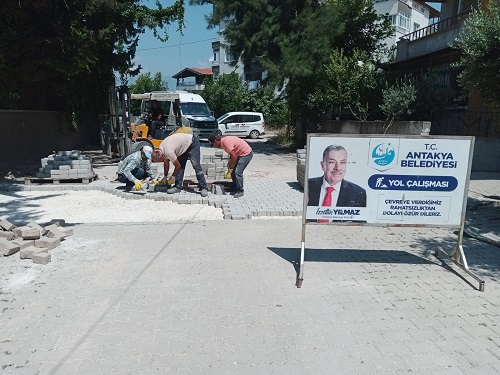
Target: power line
(176, 45)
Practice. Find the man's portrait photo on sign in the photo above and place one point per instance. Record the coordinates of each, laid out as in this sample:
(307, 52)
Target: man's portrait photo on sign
(331, 189)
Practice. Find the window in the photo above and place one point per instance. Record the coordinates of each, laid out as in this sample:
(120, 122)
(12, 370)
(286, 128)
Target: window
(418, 7)
(231, 120)
(246, 118)
(401, 21)
(229, 56)
(200, 109)
(216, 55)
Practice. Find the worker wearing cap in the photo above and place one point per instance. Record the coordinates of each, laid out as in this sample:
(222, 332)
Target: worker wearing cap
(135, 167)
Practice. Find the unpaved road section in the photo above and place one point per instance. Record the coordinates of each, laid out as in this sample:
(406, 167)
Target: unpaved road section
(81, 207)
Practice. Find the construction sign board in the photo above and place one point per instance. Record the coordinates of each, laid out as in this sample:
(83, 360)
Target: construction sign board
(382, 180)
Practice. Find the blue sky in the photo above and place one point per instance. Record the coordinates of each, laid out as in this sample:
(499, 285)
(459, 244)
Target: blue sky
(435, 5)
(193, 49)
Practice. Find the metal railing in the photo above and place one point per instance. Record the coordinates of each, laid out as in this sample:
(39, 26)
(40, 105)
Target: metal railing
(442, 25)
(479, 124)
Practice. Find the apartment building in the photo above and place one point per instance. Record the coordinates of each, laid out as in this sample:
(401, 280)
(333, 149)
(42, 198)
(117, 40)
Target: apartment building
(406, 16)
(429, 49)
(223, 62)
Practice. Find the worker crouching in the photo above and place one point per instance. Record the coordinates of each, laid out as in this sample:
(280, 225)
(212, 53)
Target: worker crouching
(135, 168)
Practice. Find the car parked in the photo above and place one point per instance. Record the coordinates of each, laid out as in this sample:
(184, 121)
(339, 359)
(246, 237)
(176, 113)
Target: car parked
(242, 124)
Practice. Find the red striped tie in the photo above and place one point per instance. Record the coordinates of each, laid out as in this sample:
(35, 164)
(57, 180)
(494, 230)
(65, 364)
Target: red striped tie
(327, 201)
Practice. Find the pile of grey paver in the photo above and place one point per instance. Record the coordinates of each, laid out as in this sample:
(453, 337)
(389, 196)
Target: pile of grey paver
(66, 165)
(301, 166)
(32, 241)
(215, 166)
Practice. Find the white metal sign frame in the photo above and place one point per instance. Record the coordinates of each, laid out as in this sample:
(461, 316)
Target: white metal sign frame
(387, 147)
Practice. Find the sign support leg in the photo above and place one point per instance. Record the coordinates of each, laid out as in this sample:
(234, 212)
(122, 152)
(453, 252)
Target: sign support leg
(458, 257)
(300, 276)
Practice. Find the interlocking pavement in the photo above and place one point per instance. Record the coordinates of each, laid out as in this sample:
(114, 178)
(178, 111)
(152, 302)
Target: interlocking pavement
(219, 296)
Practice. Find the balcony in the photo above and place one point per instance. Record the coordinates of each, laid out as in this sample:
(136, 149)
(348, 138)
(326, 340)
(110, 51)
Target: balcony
(430, 39)
(191, 87)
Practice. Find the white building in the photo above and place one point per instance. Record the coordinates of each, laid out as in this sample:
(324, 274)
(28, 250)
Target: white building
(406, 16)
(222, 61)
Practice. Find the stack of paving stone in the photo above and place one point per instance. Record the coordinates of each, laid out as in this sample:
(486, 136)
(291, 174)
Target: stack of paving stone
(301, 166)
(66, 165)
(154, 169)
(32, 241)
(215, 166)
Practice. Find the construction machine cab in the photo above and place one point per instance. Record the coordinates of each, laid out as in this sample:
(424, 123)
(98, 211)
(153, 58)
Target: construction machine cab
(169, 101)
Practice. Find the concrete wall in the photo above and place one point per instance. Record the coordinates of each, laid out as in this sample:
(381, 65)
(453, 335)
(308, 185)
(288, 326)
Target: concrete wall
(427, 44)
(31, 135)
(486, 155)
(374, 127)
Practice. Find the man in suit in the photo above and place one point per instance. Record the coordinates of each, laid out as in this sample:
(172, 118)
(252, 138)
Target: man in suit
(331, 190)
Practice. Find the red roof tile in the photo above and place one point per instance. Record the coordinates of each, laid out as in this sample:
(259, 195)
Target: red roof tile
(204, 71)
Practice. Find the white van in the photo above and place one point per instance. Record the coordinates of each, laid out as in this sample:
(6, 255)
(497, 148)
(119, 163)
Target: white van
(193, 110)
(242, 124)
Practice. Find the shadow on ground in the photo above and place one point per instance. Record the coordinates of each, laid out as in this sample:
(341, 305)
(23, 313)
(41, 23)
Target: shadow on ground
(20, 209)
(292, 255)
(483, 259)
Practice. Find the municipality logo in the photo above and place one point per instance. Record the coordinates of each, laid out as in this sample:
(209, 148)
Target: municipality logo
(383, 154)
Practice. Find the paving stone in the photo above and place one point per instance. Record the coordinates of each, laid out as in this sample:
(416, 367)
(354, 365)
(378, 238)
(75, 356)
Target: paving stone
(53, 231)
(27, 253)
(37, 226)
(7, 247)
(48, 243)
(27, 233)
(41, 257)
(6, 225)
(7, 235)
(23, 243)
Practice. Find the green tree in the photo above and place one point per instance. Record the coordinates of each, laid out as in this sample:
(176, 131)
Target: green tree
(293, 40)
(273, 107)
(63, 54)
(225, 93)
(349, 83)
(431, 96)
(479, 44)
(398, 101)
(144, 83)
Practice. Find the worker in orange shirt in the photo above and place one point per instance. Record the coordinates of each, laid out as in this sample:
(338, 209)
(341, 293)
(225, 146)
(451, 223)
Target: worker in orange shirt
(240, 154)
